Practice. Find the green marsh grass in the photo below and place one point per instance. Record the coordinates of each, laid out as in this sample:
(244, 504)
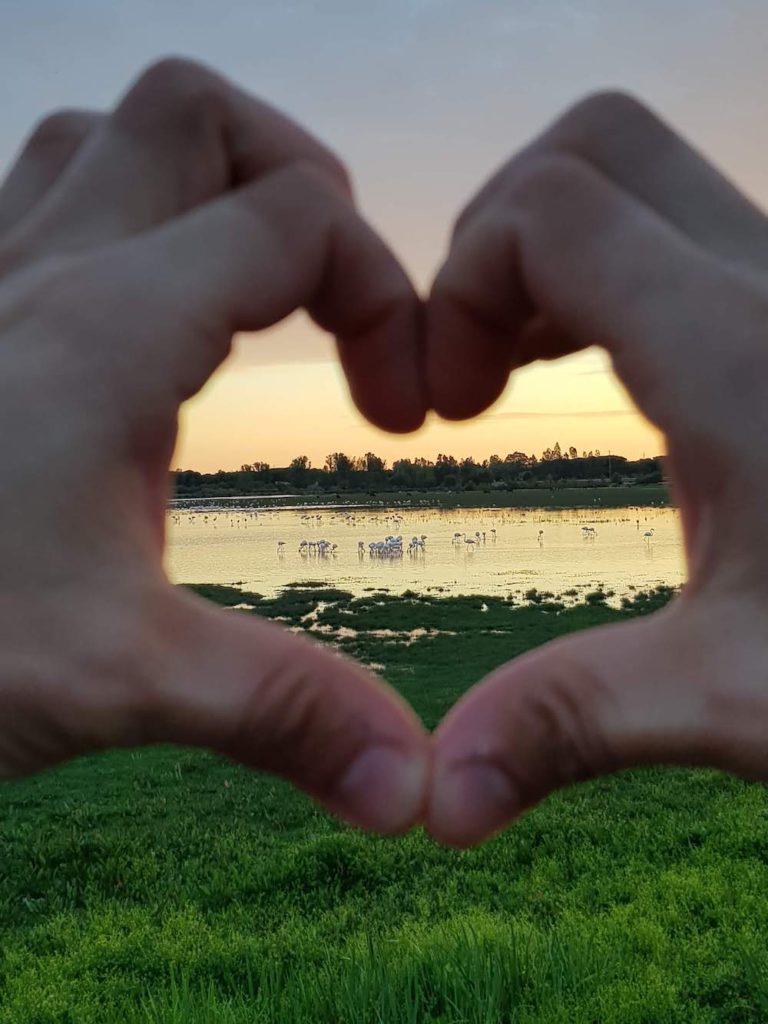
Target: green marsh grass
(167, 886)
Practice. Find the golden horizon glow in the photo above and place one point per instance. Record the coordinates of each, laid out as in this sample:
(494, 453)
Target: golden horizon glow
(273, 413)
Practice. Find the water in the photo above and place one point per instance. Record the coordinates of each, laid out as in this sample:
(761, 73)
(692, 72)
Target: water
(232, 543)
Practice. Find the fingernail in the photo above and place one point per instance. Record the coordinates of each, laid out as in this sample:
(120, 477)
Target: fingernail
(471, 801)
(383, 789)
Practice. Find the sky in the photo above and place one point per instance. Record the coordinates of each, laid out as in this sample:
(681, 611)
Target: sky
(423, 99)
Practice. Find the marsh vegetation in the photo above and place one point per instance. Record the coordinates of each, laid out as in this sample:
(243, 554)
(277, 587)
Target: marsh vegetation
(167, 886)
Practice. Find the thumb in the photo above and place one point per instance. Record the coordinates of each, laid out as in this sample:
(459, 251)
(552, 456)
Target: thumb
(250, 690)
(579, 707)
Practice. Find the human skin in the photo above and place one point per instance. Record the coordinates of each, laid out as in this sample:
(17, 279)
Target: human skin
(132, 245)
(609, 229)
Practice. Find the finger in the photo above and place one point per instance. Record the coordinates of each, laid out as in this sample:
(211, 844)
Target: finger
(276, 702)
(44, 156)
(612, 698)
(605, 269)
(541, 339)
(180, 136)
(477, 309)
(243, 262)
(634, 148)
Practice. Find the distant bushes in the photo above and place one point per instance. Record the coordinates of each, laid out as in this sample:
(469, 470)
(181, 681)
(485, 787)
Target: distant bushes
(369, 473)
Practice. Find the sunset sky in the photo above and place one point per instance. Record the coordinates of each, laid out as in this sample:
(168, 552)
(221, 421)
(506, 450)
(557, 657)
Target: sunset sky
(423, 99)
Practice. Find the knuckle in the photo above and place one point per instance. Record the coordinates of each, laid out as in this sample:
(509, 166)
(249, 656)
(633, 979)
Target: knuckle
(301, 191)
(464, 218)
(309, 178)
(542, 175)
(473, 211)
(476, 243)
(170, 89)
(527, 184)
(62, 128)
(607, 111)
(336, 167)
(172, 78)
(296, 193)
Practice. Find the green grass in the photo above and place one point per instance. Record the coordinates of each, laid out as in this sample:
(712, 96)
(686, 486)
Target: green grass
(167, 886)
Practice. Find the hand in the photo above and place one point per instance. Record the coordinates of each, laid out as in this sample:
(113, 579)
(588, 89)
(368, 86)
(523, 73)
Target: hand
(610, 230)
(132, 246)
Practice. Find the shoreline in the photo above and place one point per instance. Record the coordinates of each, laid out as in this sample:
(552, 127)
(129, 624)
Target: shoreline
(634, 496)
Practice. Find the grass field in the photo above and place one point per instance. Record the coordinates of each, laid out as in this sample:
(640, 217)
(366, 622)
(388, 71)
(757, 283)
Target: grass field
(533, 497)
(166, 886)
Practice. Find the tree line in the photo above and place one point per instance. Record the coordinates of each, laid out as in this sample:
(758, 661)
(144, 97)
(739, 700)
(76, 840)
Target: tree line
(370, 473)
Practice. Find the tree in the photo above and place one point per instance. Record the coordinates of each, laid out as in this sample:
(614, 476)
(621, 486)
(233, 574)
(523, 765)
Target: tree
(416, 474)
(573, 452)
(338, 463)
(372, 463)
(519, 459)
(446, 466)
(298, 470)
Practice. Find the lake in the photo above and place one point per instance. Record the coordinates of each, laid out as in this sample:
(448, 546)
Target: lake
(464, 551)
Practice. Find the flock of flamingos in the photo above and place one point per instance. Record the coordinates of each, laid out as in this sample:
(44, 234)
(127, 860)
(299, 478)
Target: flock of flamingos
(393, 546)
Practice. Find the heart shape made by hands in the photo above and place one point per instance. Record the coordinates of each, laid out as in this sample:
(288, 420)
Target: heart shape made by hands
(134, 243)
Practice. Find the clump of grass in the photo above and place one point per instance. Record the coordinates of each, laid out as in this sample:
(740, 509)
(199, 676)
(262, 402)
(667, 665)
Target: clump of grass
(474, 969)
(307, 585)
(225, 596)
(644, 602)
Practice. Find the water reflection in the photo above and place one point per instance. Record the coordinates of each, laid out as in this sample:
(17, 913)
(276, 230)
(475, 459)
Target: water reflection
(451, 551)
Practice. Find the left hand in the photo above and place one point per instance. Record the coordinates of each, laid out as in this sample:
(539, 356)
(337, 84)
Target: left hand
(132, 245)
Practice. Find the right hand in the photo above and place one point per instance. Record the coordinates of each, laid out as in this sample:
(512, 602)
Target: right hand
(610, 230)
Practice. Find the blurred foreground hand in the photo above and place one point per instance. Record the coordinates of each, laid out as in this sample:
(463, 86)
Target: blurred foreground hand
(132, 245)
(610, 230)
